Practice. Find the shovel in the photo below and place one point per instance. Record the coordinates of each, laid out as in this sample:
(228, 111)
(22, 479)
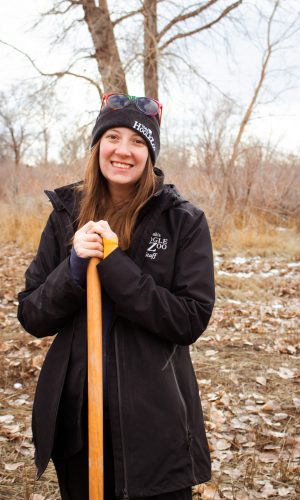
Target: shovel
(95, 382)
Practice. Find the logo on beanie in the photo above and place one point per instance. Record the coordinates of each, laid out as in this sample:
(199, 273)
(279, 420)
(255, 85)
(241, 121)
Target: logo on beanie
(147, 132)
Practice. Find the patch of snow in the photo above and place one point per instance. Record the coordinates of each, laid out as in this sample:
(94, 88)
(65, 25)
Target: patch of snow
(293, 264)
(292, 275)
(239, 260)
(237, 275)
(267, 274)
(256, 258)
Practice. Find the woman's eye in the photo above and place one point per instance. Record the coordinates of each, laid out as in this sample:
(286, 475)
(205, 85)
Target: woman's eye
(112, 137)
(139, 141)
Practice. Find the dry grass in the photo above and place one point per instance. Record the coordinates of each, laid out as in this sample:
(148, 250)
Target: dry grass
(258, 237)
(22, 222)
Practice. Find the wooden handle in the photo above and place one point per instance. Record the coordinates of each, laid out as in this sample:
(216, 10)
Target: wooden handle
(95, 383)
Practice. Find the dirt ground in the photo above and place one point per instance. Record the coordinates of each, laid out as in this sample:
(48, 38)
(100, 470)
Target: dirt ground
(247, 366)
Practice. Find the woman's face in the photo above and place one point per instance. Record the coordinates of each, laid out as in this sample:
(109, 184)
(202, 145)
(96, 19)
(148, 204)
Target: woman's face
(122, 156)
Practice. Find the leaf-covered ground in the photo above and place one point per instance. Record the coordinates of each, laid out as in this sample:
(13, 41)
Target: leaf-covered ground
(247, 366)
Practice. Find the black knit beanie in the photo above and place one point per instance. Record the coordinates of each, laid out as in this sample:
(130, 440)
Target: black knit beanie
(145, 125)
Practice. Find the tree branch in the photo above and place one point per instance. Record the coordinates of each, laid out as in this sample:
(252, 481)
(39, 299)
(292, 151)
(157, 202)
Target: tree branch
(183, 17)
(193, 70)
(55, 10)
(201, 28)
(126, 16)
(57, 74)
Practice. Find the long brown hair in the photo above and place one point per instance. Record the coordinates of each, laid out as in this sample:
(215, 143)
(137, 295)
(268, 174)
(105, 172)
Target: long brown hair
(96, 202)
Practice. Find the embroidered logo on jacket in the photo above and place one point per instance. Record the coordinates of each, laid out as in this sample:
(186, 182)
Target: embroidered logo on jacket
(156, 244)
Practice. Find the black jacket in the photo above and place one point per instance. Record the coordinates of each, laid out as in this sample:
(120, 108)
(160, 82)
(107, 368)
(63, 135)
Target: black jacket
(163, 291)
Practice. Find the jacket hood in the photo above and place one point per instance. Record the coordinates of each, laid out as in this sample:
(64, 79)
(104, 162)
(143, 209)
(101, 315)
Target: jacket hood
(68, 197)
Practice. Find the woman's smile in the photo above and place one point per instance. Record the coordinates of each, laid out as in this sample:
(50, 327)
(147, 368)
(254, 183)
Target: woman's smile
(124, 166)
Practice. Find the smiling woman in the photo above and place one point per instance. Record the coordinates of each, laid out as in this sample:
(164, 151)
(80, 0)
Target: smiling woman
(157, 298)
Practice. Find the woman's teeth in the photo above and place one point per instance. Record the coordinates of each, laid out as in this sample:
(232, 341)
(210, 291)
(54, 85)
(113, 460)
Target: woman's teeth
(120, 165)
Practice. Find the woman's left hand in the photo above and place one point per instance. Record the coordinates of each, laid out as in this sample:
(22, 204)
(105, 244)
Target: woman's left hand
(103, 229)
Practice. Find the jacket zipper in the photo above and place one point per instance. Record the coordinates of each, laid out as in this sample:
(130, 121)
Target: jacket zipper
(187, 429)
(125, 489)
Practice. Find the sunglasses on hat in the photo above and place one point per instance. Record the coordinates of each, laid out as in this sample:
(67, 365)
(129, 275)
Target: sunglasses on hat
(146, 105)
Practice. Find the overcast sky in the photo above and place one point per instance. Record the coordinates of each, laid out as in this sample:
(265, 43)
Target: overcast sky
(277, 121)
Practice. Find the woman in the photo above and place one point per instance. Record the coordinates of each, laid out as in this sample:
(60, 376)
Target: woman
(158, 294)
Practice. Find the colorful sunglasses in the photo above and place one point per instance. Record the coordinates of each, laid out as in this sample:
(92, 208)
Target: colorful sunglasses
(146, 105)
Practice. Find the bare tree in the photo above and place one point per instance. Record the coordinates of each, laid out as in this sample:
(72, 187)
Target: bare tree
(46, 116)
(15, 113)
(75, 145)
(272, 44)
(26, 114)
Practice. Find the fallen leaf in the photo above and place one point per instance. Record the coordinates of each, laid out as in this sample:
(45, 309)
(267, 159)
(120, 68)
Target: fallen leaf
(7, 419)
(270, 406)
(19, 402)
(286, 373)
(261, 380)
(212, 396)
(222, 444)
(204, 381)
(272, 446)
(278, 417)
(13, 466)
(249, 444)
(268, 490)
(296, 402)
(276, 434)
(217, 416)
(37, 361)
(268, 457)
(237, 424)
(211, 352)
(234, 473)
(208, 492)
(234, 378)
(283, 492)
(225, 400)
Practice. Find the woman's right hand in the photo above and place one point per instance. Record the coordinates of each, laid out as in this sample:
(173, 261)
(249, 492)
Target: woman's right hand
(86, 243)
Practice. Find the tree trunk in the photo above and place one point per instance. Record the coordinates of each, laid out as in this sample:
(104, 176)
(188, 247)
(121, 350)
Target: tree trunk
(107, 54)
(150, 49)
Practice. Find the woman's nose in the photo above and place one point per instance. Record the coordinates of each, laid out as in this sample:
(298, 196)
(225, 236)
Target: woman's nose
(123, 148)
